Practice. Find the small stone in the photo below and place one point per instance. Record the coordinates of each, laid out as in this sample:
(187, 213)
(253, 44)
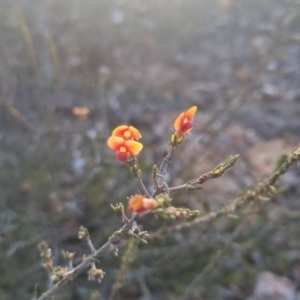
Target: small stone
(270, 286)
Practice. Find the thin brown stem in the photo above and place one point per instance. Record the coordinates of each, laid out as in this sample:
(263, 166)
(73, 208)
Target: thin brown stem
(16, 114)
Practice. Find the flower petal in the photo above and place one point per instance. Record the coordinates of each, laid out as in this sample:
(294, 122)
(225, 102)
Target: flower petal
(178, 121)
(135, 133)
(136, 203)
(133, 147)
(127, 132)
(149, 203)
(190, 112)
(115, 142)
(119, 131)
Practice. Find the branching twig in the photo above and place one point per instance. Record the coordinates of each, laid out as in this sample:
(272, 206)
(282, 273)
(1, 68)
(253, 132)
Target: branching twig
(195, 184)
(70, 275)
(262, 191)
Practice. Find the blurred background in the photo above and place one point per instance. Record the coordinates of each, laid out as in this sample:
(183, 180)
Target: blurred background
(142, 63)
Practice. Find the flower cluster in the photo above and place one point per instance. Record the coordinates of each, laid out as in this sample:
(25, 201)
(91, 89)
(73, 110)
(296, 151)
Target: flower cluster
(124, 141)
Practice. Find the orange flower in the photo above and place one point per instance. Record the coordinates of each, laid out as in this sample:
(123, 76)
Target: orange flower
(81, 112)
(124, 148)
(183, 124)
(140, 204)
(127, 132)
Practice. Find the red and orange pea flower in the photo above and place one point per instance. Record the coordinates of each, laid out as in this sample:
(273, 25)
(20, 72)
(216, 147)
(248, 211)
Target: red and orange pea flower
(127, 132)
(139, 204)
(183, 124)
(124, 148)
